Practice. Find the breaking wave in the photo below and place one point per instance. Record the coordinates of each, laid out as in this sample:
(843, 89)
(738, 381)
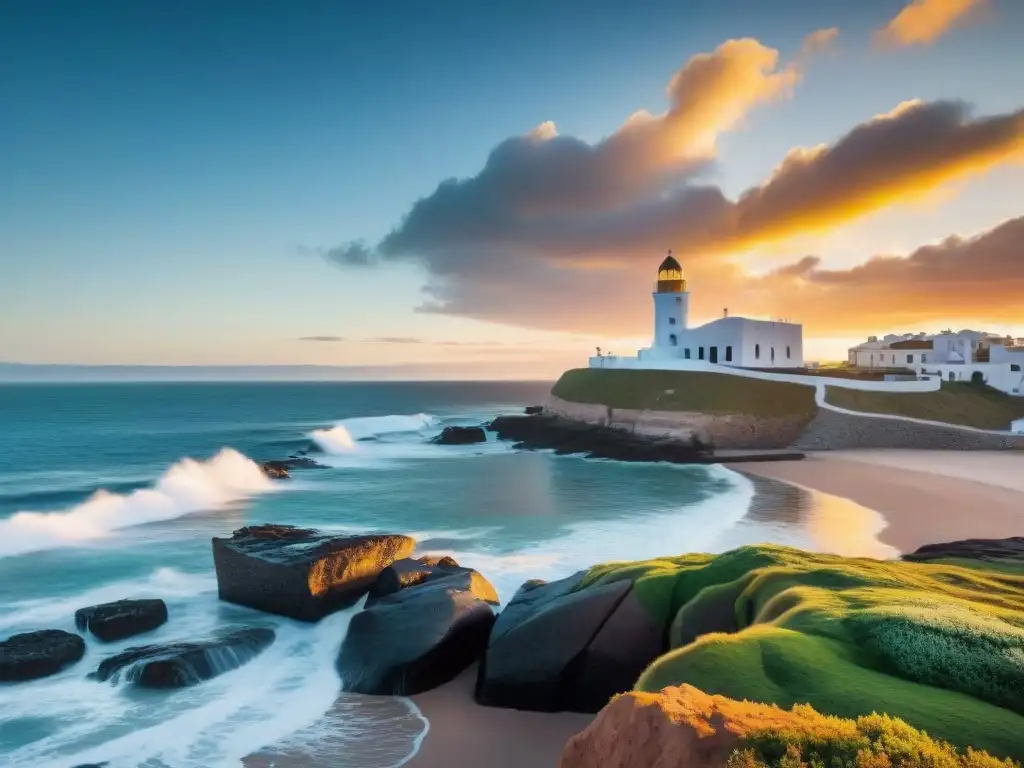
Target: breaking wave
(188, 486)
(342, 437)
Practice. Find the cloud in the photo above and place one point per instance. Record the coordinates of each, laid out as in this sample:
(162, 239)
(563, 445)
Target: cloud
(924, 21)
(818, 41)
(355, 253)
(978, 279)
(393, 340)
(322, 338)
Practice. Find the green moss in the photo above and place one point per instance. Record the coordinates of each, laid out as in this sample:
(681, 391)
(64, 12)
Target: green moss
(939, 645)
(687, 391)
(955, 403)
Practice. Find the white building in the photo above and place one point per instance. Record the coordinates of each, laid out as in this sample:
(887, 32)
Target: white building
(954, 356)
(735, 341)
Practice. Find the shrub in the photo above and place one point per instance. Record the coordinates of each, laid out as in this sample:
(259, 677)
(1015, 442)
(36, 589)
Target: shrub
(872, 741)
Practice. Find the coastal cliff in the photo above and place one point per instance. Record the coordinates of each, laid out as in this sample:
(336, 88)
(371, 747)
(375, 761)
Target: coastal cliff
(737, 412)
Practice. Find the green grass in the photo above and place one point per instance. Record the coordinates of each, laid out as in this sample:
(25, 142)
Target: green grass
(955, 403)
(938, 645)
(687, 391)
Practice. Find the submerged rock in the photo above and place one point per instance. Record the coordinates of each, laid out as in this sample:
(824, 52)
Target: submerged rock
(557, 647)
(120, 619)
(565, 436)
(177, 665)
(299, 572)
(461, 436)
(281, 470)
(431, 622)
(37, 654)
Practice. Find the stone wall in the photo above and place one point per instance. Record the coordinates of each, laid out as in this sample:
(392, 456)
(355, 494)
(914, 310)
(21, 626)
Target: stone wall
(724, 431)
(833, 430)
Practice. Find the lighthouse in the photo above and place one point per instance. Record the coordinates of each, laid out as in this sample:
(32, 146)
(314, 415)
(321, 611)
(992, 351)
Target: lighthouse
(671, 305)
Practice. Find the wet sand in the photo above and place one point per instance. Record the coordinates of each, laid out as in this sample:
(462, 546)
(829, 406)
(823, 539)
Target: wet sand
(465, 734)
(925, 497)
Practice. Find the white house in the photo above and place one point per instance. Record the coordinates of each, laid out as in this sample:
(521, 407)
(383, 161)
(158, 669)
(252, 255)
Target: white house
(734, 341)
(953, 356)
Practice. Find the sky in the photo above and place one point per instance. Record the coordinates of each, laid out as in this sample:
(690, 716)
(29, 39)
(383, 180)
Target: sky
(491, 186)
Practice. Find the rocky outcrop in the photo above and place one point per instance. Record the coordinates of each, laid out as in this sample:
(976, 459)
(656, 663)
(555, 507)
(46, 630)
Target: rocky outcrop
(834, 430)
(461, 436)
(38, 654)
(993, 551)
(533, 410)
(301, 573)
(722, 430)
(566, 436)
(681, 727)
(556, 647)
(424, 624)
(178, 665)
(121, 619)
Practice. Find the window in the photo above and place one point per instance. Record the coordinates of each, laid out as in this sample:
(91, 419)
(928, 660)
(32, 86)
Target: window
(773, 354)
(910, 358)
(673, 340)
(1014, 367)
(728, 355)
(686, 353)
(788, 355)
(952, 376)
(700, 352)
(671, 321)
(894, 359)
(924, 358)
(757, 351)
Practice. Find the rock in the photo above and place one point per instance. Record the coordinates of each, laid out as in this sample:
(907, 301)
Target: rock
(281, 470)
(461, 436)
(124, 618)
(678, 728)
(420, 636)
(177, 665)
(299, 572)
(565, 436)
(409, 572)
(533, 410)
(276, 470)
(37, 654)
(985, 550)
(555, 647)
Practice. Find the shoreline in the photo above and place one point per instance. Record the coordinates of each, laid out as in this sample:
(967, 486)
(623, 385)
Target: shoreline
(924, 497)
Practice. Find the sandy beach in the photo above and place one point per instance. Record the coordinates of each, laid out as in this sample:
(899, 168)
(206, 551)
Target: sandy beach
(925, 496)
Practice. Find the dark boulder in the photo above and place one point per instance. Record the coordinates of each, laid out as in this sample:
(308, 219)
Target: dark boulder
(410, 572)
(38, 654)
(533, 410)
(124, 618)
(275, 470)
(420, 636)
(985, 550)
(177, 665)
(559, 647)
(299, 572)
(565, 436)
(461, 436)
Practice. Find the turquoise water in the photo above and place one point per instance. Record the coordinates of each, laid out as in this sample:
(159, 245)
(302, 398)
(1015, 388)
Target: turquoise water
(98, 501)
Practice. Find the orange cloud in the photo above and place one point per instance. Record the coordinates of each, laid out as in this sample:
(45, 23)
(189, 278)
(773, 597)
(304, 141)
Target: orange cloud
(925, 21)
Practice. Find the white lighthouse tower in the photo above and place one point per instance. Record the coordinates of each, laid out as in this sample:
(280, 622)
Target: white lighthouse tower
(671, 304)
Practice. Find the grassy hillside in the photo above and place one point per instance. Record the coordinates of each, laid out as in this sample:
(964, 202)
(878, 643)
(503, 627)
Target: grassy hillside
(687, 391)
(956, 403)
(939, 646)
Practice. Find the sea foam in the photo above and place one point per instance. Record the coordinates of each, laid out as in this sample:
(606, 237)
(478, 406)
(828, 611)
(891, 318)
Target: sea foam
(342, 437)
(188, 486)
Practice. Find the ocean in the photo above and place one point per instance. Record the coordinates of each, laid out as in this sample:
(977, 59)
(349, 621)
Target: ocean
(111, 491)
